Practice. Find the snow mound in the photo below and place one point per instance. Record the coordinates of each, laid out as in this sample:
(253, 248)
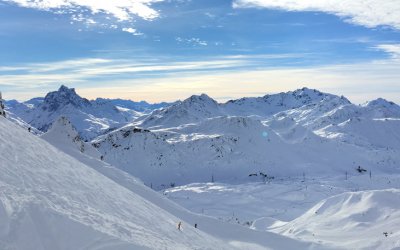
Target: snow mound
(361, 220)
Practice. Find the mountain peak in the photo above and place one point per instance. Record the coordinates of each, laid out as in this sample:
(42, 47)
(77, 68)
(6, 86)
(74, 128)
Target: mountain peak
(380, 102)
(64, 88)
(314, 95)
(308, 92)
(203, 98)
(296, 98)
(62, 97)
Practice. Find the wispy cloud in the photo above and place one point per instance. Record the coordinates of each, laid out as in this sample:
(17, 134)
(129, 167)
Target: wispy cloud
(392, 49)
(359, 82)
(85, 69)
(233, 76)
(368, 13)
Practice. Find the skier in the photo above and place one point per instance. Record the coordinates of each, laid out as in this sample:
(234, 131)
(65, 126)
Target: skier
(195, 225)
(180, 226)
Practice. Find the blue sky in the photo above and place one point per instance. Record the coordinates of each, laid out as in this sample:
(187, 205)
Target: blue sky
(163, 50)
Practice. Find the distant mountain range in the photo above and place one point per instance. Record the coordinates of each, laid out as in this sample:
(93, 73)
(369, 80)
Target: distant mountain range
(198, 139)
(91, 118)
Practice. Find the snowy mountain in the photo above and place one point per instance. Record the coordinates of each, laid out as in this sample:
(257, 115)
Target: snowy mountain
(91, 118)
(272, 104)
(229, 149)
(196, 140)
(194, 109)
(198, 108)
(304, 132)
(336, 110)
(372, 125)
(141, 106)
(319, 112)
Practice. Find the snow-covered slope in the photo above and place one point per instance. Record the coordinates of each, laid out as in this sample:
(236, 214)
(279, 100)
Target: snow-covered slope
(229, 149)
(49, 200)
(380, 134)
(361, 220)
(235, 235)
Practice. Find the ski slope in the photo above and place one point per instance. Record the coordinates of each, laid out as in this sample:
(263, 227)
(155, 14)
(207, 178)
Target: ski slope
(52, 200)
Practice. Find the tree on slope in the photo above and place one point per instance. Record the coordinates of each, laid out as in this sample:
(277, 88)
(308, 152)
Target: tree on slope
(2, 112)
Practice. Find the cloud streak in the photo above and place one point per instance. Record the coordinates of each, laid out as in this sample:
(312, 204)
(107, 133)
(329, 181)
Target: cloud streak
(368, 13)
(359, 82)
(89, 69)
(233, 76)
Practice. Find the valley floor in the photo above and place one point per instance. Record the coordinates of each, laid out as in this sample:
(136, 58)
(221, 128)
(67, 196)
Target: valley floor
(275, 206)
